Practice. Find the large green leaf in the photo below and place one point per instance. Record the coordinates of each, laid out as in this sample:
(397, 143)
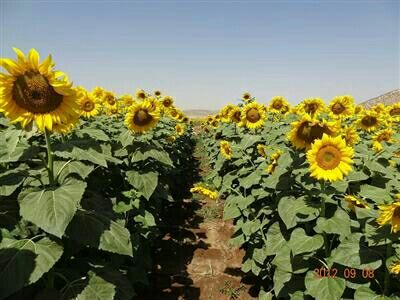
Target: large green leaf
(23, 262)
(158, 155)
(300, 242)
(93, 229)
(364, 292)
(292, 210)
(12, 146)
(339, 224)
(52, 209)
(280, 278)
(378, 195)
(94, 133)
(10, 181)
(354, 253)
(97, 289)
(63, 169)
(325, 288)
(274, 240)
(143, 182)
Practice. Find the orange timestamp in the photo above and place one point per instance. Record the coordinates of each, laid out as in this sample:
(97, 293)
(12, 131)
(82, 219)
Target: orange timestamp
(347, 273)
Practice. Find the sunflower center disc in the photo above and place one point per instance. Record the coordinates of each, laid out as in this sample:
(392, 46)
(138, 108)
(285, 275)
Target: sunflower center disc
(311, 108)
(328, 157)
(141, 96)
(142, 117)
(236, 117)
(396, 215)
(253, 115)
(338, 108)
(88, 106)
(309, 133)
(110, 100)
(395, 112)
(277, 105)
(33, 92)
(167, 103)
(369, 121)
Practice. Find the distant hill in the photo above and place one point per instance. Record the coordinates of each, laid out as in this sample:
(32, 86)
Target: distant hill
(388, 98)
(198, 113)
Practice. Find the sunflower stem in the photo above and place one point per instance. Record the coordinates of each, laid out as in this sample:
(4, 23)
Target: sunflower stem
(386, 283)
(322, 214)
(50, 161)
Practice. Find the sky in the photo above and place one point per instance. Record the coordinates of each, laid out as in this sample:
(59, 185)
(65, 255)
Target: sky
(207, 53)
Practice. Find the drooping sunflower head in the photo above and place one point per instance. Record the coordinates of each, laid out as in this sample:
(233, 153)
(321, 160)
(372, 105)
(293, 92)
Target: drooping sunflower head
(180, 129)
(167, 101)
(33, 91)
(279, 105)
(140, 94)
(142, 117)
(311, 106)
(390, 215)
(214, 123)
(330, 158)
(305, 131)
(350, 135)
(353, 202)
(89, 106)
(226, 149)
(394, 112)
(252, 116)
(370, 120)
(262, 150)
(246, 97)
(341, 107)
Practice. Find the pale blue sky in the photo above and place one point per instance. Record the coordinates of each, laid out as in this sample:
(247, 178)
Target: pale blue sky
(206, 53)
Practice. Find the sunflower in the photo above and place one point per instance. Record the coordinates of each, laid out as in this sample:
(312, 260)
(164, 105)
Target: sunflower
(390, 214)
(157, 93)
(358, 109)
(274, 161)
(379, 108)
(180, 129)
(395, 268)
(279, 105)
(262, 150)
(252, 115)
(205, 192)
(384, 135)
(341, 107)
(350, 135)
(167, 101)
(155, 105)
(142, 117)
(394, 112)
(330, 158)
(311, 106)
(235, 114)
(353, 201)
(98, 92)
(89, 106)
(370, 120)
(305, 131)
(140, 94)
(109, 99)
(214, 123)
(226, 149)
(33, 91)
(225, 113)
(173, 112)
(127, 100)
(246, 97)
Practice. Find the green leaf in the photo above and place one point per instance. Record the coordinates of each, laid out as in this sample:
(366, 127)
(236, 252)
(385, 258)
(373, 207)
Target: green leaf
(63, 169)
(354, 253)
(10, 181)
(96, 230)
(23, 262)
(300, 242)
(97, 134)
(275, 240)
(280, 278)
(290, 209)
(325, 288)
(250, 180)
(158, 155)
(378, 195)
(357, 176)
(52, 209)
(338, 224)
(248, 141)
(143, 182)
(97, 289)
(364, 292)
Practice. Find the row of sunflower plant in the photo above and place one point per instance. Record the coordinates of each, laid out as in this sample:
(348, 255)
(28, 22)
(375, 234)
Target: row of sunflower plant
(84, 177)
(314, 192)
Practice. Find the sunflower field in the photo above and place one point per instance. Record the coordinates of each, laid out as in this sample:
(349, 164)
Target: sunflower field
(84, 178)
(314, 192)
